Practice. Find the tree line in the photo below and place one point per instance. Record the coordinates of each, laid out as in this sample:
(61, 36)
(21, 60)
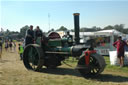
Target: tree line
(117, 27)
(19, 35)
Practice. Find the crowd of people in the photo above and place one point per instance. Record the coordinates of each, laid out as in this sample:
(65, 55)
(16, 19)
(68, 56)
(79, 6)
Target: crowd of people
(30, 38)
(10, 46)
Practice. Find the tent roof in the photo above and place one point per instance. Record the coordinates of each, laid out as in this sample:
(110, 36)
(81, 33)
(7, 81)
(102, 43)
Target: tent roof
(102, 33)
(111, 31)
(108, 32)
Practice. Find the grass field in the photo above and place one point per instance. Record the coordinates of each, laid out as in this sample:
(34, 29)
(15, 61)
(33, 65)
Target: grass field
(13, 72)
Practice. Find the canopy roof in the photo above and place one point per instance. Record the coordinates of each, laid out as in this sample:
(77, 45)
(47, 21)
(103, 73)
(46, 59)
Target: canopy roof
(100, 33)
(109, 32)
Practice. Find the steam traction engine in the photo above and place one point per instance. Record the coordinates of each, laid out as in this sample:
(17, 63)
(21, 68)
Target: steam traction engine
(53, 49)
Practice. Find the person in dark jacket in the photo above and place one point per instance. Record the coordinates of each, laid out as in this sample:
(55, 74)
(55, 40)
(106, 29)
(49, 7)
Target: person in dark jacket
(0, 47)
(10, 45)
(29, 36)
(119, 45)
(38, 35)
(69, 37)
(6, 45)
(37, 32)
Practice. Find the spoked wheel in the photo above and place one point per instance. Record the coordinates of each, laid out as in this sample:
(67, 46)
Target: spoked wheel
(96, 65)
(33, 57)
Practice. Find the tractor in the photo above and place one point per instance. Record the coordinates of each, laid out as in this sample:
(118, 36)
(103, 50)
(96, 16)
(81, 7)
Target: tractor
(49, 52)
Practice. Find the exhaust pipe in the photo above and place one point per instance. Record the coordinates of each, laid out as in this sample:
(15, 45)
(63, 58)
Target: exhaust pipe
(76, 27)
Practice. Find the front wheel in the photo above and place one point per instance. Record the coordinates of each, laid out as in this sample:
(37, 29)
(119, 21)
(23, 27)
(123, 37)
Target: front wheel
(96, 65)
(33, 57)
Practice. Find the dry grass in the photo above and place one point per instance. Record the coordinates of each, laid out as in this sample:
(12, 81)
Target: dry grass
(13, 72)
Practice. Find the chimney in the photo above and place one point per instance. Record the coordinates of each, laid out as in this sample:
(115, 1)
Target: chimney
(76, 27)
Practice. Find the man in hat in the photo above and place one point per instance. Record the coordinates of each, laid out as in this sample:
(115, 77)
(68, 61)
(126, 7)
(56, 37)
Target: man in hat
(38, 34)
(119, 45)
(29, 36)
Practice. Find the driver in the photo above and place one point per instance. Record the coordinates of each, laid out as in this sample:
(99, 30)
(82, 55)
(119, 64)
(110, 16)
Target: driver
(37, 32)
(69, 38)
(29, 36)
(38, 35)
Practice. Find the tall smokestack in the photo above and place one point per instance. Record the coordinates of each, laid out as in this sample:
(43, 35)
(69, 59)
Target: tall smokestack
(76, 27)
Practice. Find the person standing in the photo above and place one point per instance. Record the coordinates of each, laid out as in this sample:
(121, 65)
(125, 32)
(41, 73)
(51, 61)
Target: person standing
(37, 32)
(119, 45)
(38, 35)
(29, 36)
(14, 46)
(10, 45)
(1, 47)
(6, 45)
(21, 50)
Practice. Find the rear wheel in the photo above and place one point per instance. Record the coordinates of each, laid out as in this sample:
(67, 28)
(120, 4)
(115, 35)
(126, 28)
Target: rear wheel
(33, 57)
(96, 65)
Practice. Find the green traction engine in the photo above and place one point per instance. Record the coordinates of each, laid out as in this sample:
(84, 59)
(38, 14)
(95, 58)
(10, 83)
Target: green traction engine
(50, 51)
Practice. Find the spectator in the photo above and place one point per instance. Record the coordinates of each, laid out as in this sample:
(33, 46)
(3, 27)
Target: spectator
(14, 46)
(0, 48)
(120, 44)
(6, 45)
(21, 51)
(10, 45)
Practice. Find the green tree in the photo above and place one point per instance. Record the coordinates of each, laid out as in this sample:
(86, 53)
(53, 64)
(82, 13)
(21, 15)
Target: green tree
(62, 28)
(93, 29)
(109, 27)
(23, 30)
(7, 33)
(119, 27)
(125, 31)
(84, 29)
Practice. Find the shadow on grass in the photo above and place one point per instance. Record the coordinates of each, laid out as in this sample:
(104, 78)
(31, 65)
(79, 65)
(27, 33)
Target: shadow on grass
(73, 72)
(62, 71)
(111, 78)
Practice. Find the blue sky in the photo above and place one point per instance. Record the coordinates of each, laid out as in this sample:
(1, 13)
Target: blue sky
(16, 14)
